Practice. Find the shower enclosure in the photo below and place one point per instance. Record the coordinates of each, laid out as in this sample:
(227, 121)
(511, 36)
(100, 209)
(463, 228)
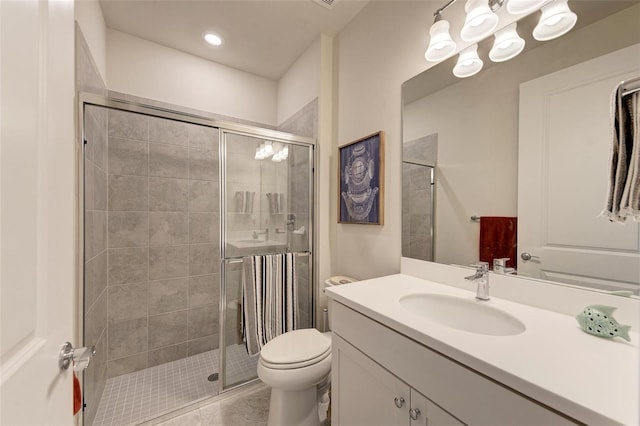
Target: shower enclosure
(171, 204)
(419, 158)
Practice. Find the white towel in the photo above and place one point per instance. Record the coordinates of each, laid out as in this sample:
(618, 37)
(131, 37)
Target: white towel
(269, 298)
(623, 198)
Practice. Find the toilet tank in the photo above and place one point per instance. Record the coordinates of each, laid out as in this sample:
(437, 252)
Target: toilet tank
(330, 282)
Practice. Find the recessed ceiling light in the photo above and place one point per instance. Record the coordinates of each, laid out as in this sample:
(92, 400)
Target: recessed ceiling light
(213, 39)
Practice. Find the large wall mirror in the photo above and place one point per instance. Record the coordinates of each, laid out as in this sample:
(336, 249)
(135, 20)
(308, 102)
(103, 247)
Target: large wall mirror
(527, 138)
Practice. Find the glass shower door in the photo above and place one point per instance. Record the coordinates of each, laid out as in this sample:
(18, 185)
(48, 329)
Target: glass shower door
(267, 195)
(417, 210)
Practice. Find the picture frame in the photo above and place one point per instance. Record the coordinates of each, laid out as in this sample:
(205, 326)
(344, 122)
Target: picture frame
(361, 181)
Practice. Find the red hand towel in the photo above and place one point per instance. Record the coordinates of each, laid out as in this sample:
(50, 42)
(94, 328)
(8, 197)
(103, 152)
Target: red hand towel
(77, 394)
(498, 239)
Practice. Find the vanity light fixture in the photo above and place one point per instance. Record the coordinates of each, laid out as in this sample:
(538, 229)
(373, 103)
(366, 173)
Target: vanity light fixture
(275, 150)
(265, 150)
(507, 44)
(469, 63)
(441, 45)
(556, 20)
(213, 39)
(480, 20)
(517, 7)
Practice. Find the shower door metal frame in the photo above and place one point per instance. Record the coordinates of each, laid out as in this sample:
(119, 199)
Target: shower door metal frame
(224, 261)
(89, 99)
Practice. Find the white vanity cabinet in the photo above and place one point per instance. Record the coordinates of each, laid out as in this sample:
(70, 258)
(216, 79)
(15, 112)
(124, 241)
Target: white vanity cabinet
(374, 368)
(367, 394)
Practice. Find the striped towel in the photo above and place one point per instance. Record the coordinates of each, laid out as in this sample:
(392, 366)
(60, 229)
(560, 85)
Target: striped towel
(269, 298)
(623, 198)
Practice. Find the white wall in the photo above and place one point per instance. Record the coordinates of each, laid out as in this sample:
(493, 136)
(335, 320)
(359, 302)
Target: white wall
(142, 68)
(89, 16)
(300, 84)
(381, 48)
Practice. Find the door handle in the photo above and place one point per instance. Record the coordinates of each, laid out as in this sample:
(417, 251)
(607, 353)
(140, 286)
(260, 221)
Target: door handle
(528, 256)
(81, 357)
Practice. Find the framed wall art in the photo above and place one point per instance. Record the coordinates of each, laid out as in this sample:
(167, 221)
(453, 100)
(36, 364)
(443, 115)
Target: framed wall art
(361, 177)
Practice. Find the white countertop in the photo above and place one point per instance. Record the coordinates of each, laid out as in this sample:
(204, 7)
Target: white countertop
(591, 379)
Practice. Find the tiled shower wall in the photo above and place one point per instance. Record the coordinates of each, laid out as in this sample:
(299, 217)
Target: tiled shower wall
(163, 241)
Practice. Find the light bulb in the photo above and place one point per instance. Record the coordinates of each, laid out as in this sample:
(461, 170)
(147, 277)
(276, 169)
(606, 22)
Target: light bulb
(213, 39)
(268, 149)
(441, 45)
(480, 20)
(507, 45)
(469, 63)
(556, 20)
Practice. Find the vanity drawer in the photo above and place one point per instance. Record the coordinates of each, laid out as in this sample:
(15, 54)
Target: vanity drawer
(473, 398)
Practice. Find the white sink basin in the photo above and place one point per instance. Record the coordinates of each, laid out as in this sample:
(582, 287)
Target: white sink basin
(463, 314)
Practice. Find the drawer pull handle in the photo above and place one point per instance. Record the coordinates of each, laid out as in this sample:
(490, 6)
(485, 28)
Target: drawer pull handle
(414, 413)
(399, 401)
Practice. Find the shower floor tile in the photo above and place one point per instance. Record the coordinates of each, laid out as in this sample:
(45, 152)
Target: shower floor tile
(135, 397)
(240, 366)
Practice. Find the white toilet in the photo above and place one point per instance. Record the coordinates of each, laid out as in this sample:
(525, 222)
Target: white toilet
(293, 365)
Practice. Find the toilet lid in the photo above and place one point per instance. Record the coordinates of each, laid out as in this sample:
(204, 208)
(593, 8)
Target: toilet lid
(296, 349)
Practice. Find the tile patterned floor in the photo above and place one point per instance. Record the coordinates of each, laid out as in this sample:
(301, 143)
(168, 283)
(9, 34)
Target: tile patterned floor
(133, 398)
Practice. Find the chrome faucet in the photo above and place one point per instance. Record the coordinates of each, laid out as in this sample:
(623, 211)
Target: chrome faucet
(265, 233)
(481, 277)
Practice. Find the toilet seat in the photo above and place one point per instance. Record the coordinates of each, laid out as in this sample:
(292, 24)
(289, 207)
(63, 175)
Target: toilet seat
(295, 349)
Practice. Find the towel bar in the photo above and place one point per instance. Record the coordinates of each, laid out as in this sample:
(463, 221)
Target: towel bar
(239, 259)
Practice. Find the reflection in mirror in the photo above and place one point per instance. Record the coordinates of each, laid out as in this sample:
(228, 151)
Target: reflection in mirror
(418, 166)
(479, 123)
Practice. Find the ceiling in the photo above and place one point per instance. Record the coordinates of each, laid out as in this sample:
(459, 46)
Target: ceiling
(262, 37)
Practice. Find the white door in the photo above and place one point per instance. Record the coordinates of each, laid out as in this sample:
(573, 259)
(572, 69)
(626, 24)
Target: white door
(37, 200)
(564, 146)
